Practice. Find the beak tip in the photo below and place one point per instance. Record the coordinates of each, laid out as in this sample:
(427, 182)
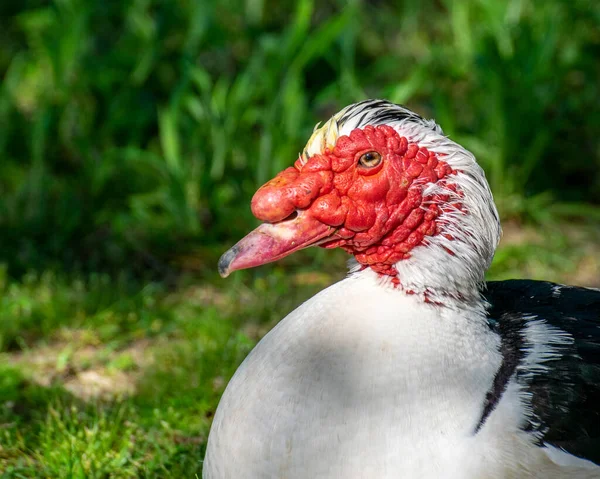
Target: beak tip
(226, 260)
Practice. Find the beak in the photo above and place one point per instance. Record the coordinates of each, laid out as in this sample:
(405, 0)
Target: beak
(272, 241)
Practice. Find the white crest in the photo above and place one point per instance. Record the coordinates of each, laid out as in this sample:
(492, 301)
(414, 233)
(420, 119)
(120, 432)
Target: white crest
(322, 139)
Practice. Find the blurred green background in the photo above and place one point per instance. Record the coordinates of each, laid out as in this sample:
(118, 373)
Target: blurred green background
(133, 135)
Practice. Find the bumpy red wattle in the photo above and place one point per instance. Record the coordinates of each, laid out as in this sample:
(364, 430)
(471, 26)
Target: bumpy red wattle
(378, 212)
(288, 191)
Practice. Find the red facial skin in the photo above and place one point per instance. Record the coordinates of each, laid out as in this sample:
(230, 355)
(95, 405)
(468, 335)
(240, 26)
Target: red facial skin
(376, 213)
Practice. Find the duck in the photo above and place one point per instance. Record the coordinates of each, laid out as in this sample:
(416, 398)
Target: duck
(413, 366)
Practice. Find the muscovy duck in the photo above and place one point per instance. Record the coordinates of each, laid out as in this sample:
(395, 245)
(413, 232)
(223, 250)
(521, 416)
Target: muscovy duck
(412, 366)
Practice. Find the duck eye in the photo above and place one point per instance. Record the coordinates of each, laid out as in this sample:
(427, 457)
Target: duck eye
(370, 159)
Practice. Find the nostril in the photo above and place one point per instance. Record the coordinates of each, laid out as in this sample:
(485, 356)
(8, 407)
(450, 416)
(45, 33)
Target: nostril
(293, 215)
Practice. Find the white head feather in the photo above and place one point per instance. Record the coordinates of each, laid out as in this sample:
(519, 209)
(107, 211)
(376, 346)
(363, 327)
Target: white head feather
(439, 264)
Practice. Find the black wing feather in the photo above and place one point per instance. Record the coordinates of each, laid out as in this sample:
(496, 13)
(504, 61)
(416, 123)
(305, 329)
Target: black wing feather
(566, 395)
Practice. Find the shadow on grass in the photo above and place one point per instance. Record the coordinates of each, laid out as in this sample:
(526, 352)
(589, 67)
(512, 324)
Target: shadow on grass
(49, 432)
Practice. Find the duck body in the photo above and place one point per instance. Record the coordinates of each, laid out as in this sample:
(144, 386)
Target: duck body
(411, 367)
(386, 387)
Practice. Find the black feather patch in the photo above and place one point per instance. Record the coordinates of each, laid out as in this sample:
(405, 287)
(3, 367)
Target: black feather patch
(510, 328)
(379, 112)
(565, 394)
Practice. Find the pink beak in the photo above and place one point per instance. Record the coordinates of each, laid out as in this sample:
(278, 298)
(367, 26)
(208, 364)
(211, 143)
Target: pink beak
(272, 241)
